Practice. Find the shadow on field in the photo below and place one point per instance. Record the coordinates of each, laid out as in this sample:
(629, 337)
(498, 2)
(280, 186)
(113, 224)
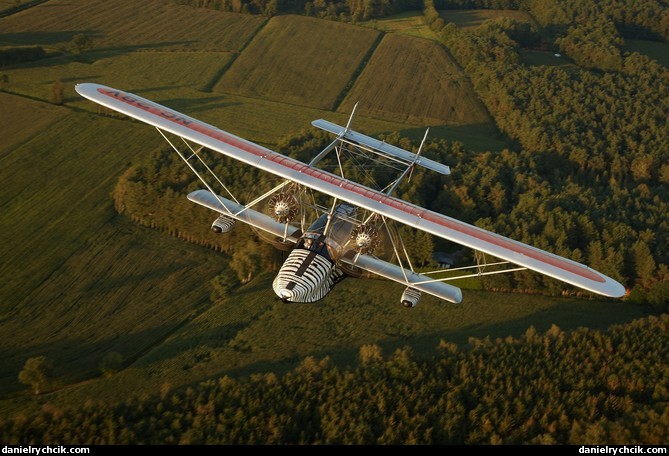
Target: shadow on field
(425, 346)
(44, 38)
(198, 104)
(476, 137)
(75, 360)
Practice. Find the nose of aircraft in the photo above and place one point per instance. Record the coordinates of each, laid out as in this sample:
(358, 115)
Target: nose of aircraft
(285, 295)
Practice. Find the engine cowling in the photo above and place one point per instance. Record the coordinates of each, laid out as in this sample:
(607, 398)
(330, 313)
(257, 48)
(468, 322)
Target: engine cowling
(410, 297)
(223, 224)
(284, 207)
(365, 238)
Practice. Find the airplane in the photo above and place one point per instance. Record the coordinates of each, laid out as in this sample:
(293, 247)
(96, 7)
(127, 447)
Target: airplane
(342, 241)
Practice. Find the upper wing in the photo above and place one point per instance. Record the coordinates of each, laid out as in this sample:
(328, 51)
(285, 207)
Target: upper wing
(359, 195)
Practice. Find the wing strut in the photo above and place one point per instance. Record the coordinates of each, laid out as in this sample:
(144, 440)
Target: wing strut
(186, 160)
(409, 169)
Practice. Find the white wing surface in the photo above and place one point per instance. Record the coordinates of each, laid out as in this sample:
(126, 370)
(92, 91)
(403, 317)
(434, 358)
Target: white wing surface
(437, 224)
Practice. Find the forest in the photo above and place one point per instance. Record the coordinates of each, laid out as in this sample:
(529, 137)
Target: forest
(581, 387)
(589, 177)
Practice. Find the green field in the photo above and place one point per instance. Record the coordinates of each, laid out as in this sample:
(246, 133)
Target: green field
(299, 60)
(653, 49)
(415, 81)
(121, 26)
(469, 19)
(410, 23)
(80, 281)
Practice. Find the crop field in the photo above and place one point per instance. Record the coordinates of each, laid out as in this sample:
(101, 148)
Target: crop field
(299, 60)
(120, 26)
(415, 81)
(22, 118)
(410, 23)
(468, 19)
(78, 280)
(182, 72)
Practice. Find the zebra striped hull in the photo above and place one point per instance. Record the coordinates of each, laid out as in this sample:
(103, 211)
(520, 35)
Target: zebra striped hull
(305, 276)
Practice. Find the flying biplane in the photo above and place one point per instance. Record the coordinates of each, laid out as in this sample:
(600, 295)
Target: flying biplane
(343, 239)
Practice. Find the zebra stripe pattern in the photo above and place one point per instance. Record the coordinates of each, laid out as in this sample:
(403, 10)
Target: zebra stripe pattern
(305, 276)
(410, 297)
(223, 224)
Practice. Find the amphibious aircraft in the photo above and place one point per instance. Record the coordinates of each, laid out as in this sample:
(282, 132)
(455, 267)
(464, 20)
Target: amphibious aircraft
(343, 240)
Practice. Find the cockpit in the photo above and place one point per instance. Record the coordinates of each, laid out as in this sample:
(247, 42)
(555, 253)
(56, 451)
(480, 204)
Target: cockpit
(314, 242)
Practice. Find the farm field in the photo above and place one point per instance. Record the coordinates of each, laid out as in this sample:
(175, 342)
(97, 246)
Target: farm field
(409, 23)
(300, 60)
(468, 19)
(79, 281)
(415, 81)
(120, 26)
(22, 118)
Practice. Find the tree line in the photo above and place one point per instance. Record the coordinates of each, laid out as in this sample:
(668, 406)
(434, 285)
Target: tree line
(342, 10)
(582, 387)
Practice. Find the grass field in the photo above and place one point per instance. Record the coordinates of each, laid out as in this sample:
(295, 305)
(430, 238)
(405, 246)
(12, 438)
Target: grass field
(653, 49)
(22, 118)
(546, 58)
(122, 26)
(299, 60)
(78, 282)
(253, 332)
(410, 23)
(468, 19)
(415, 81)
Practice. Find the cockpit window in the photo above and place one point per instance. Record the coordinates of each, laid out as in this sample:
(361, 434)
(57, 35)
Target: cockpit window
(319, 224)
(314, 242)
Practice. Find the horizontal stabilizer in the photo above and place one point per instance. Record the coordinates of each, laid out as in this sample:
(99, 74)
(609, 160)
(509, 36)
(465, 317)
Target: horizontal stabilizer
(380, 147)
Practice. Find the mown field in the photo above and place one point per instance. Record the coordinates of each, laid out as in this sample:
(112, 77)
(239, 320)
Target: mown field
(121, 26)
(468, 19)
(300, 60)
(415, 81)
(80, 281)
(410, 23)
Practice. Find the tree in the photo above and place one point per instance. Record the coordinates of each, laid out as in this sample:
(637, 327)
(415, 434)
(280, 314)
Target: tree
(246, 262)
(36, 373)
(56, 93)
(223, 284)
(111, 363)
(370, 353)
(80, 43)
